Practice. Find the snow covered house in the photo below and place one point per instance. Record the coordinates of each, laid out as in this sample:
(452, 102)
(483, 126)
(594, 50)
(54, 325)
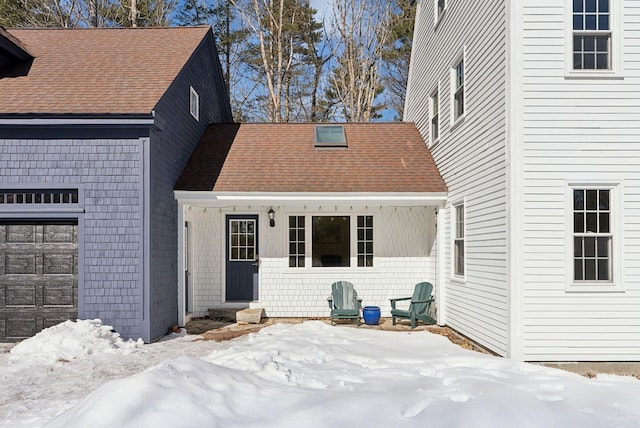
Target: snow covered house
(530, 109)
(270, 215)
(96, 125)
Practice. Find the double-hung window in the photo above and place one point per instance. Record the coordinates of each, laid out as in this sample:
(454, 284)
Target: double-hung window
(458, 241)
(592, 235)
(435, 116)
(457, 90)
(592, 35)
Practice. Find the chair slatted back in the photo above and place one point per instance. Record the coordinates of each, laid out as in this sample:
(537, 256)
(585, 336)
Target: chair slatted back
(344, 295)
(422, 292)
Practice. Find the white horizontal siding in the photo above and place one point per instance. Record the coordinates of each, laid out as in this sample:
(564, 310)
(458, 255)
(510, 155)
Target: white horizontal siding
(471, 156)
(576, 130)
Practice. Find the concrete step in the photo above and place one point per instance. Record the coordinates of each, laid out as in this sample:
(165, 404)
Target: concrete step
(223, 314)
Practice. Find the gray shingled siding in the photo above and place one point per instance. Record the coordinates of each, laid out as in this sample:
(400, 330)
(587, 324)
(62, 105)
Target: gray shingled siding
(171, 145)
(109, 175)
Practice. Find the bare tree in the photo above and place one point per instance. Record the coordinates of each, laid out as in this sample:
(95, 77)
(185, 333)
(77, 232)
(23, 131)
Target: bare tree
(266, 20)
(362, 29)
(85, 13)
(133, 13)
(276, 27)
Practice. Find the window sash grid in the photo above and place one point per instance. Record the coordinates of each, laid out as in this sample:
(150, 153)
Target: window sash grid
(297, 257)
(365, 257)
(458, 90)
(458, 241)
(589, 24)
(592, 250)
(435, 116)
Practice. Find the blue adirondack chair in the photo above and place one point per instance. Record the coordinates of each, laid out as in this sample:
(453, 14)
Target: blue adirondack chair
(344, 302)
(418, 308)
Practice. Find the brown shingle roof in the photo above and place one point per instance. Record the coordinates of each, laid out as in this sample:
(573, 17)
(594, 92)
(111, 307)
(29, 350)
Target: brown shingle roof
(99, 70)
(381, 157)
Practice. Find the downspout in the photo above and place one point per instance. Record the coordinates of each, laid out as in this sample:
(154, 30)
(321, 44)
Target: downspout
(146, 240)
(181, 268)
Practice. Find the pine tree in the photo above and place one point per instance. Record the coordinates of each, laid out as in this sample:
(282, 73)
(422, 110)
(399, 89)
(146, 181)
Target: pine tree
(397, 55)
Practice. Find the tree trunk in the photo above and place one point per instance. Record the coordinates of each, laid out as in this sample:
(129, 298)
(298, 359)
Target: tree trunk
(133, 16)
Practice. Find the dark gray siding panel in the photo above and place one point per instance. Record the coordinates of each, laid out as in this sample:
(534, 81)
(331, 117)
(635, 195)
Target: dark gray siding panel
(171, 145)
(108, 174)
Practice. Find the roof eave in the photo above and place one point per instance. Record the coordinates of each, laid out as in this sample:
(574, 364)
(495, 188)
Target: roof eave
(209, 198)
(48, 119)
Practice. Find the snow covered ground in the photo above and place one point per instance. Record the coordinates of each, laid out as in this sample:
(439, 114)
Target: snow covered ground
(311, 374)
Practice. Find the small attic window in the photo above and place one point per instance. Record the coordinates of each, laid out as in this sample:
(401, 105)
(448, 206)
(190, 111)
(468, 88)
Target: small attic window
(330, 136)
(194, 103)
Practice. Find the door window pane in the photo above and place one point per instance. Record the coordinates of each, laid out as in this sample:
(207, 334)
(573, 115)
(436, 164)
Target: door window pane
(242, 240)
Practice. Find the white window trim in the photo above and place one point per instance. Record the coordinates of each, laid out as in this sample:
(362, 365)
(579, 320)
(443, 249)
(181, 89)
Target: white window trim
(436, 90)
(194, 101)
(615, 203)
(615, 20)
(454, 205)
(437, 17)
(456, 121)
(353, 246)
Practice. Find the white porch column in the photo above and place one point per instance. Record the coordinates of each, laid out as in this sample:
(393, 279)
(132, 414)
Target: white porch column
(182, 316)
(440, 265)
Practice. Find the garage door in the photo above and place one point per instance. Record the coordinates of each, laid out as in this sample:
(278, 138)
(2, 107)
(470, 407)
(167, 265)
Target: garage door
(38, 276)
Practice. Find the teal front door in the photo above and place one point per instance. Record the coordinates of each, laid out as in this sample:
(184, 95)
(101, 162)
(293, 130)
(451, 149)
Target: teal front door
(242, 258)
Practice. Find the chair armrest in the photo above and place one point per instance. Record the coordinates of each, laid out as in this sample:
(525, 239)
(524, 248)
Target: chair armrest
(330, 301)
(393, 301)
(422, 301)
(400, 298)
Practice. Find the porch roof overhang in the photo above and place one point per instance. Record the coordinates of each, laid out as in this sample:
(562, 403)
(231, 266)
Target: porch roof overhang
(219, 199)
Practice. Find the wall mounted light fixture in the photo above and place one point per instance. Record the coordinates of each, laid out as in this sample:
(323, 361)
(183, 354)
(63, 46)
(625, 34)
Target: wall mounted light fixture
(272, 215)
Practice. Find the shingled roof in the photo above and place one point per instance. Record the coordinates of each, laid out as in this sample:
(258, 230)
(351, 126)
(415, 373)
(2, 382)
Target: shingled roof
(98, 70)
(380, 157)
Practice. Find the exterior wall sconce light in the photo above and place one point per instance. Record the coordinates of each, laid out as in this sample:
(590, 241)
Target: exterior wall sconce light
(272, 215)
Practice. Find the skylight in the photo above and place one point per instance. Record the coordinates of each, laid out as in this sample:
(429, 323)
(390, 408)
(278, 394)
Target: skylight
(330, 136)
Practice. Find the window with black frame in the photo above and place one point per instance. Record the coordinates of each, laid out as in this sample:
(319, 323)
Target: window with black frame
(592, 235)
(331, 241)
(591, 35)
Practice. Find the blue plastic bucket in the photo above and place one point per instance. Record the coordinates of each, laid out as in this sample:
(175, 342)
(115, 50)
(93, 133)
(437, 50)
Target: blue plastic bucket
(371, 315)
